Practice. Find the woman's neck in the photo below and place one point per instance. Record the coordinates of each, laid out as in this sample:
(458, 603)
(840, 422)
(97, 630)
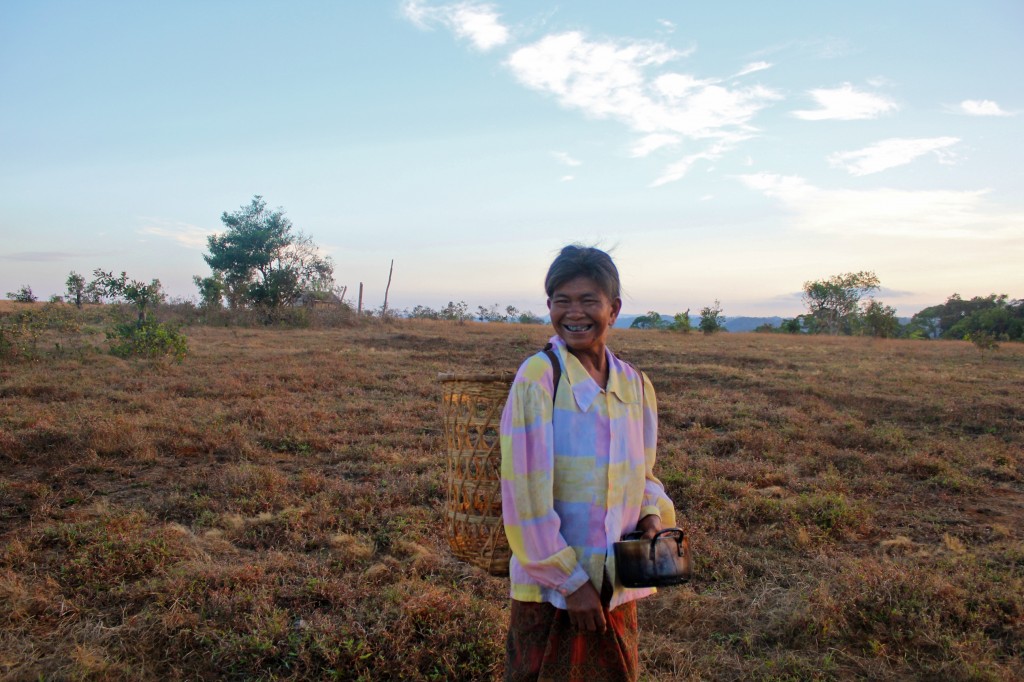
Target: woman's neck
(595, 361)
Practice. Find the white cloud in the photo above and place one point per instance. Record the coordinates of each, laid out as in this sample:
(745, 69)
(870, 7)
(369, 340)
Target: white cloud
(567, 178)
(982, 107)
(477, 22)
(889, 154)
(818, 48)
(611, 80)
(650, 143)
(679, 169)
(189, 236)
(625, 81)
(888, 212)
(845, 104)
(753, 67)
(566, 159)
(417, 13)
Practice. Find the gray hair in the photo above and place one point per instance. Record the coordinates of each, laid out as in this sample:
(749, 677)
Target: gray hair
(583, 261)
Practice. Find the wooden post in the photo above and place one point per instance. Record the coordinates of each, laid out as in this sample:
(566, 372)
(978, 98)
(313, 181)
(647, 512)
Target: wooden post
(359, 310)
(384, 310)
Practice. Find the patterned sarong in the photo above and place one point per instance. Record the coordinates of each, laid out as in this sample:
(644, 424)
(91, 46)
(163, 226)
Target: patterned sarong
(544, 646)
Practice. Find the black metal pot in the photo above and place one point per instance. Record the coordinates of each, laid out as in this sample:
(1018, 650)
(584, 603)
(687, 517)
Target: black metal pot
(659, 562)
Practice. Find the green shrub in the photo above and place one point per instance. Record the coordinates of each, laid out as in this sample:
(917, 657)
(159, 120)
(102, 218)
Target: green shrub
(148, 338)
(982, 339)
(711, 318)
(22, 295)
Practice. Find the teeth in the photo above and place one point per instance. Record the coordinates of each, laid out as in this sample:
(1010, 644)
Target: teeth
(578, 327)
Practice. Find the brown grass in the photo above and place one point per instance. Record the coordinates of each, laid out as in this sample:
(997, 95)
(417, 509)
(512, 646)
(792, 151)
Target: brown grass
(271, 509)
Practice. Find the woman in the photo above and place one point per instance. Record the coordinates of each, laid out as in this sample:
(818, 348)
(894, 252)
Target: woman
(576, 470)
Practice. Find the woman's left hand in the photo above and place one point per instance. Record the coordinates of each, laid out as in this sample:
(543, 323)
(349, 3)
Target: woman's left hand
(650, 525)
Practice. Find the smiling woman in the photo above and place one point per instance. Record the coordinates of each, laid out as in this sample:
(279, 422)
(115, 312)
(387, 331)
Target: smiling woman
(577, 475)
(583, 298)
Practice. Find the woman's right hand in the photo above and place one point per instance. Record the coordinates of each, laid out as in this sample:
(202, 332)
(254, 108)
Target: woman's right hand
(585, 609)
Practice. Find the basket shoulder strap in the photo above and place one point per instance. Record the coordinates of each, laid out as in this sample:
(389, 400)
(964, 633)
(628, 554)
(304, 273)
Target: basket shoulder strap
(556, 367)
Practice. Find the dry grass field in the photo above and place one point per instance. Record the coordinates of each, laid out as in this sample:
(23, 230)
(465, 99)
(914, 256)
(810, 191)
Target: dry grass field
(271, 509)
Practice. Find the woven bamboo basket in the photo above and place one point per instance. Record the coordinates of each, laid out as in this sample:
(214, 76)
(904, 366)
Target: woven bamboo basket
(472, 416)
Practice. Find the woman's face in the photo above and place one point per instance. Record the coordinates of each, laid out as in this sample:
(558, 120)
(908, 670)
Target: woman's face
(582, 314)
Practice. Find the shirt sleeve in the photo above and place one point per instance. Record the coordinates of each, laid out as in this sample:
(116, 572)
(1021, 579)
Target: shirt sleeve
(532, 526)
(655, 500)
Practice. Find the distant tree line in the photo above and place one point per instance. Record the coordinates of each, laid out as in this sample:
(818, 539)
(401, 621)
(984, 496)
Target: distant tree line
(843, 304)
(260, 265)
(459, 312)
(993, 315)
(711, 320)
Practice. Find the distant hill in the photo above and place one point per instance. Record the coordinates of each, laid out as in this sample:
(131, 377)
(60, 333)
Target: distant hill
(732, 324)
(622, 323)
(749, 324)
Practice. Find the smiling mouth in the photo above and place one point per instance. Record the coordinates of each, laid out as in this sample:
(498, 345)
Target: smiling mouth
(576, 328)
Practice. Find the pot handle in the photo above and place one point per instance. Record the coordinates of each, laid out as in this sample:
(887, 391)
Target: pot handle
(677, 532)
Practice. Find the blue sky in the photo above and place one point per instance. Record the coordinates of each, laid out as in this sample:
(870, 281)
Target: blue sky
(721, 150)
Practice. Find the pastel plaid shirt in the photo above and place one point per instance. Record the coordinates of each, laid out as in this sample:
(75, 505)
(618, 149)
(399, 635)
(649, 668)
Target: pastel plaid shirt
(576, 475)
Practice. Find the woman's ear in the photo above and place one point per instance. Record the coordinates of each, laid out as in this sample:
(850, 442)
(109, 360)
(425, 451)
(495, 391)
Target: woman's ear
(549, 304)
(616, 308)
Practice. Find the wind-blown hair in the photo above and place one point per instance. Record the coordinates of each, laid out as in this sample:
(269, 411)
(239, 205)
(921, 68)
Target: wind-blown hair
(586, 261)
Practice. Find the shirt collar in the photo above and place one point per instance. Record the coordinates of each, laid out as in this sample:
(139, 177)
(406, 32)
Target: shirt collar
(584, 389)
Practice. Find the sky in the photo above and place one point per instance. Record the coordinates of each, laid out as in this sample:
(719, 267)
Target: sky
(728, 151)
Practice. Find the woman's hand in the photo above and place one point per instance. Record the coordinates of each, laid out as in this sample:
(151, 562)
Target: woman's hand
(585, 609)
(650, 525)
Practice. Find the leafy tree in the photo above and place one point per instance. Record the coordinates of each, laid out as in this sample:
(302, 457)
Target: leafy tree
(957, 317)
(492, 314)
(145, 337)
(681, 322)
(143, 296)
(75, 284)
(263, 262)
(424, 313)
(793, 326)
(921, 328)
(527, 317)
(22, 295)
(711, 318)
(766, 328)
(93, 293)
(211, 290)
(1004, 321)
(878, 319)
(457, 312)
(833, 302)
(652, 320)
